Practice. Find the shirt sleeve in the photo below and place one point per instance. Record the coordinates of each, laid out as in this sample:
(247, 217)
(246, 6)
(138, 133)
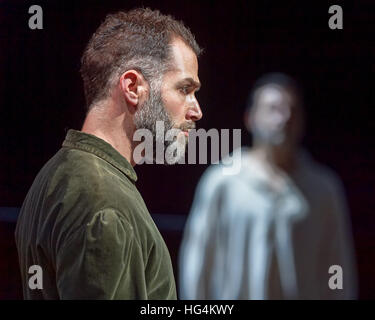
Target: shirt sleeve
(101, 260)
(337, 246)
(197, 248)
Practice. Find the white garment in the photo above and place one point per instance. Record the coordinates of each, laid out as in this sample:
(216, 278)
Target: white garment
(244, 240)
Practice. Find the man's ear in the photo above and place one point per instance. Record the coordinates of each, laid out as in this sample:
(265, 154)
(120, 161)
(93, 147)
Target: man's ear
(133, 87)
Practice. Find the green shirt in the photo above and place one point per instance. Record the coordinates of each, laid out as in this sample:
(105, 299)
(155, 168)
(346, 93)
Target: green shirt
(86, 225)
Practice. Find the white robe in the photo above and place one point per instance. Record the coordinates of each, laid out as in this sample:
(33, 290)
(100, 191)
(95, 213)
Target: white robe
(243, 240)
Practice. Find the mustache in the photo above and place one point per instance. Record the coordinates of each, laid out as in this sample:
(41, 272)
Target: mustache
(187, 126)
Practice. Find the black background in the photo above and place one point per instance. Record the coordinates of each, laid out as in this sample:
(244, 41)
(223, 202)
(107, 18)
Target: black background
(41, 94)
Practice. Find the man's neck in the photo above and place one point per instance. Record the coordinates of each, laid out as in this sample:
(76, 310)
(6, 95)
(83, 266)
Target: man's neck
(110, 125)
(283, 158)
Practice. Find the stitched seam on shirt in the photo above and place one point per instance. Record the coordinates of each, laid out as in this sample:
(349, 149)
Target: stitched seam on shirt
(67, 240)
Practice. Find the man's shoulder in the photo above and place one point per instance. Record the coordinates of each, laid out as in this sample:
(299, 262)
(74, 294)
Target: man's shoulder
(86, 180)
(323, 176)
(79, 185)
(85, 168)
(220, 172)
(217, 178)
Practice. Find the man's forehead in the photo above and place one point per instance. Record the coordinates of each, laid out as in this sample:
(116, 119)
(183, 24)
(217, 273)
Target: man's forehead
(273, 93)
(269, 94)
(184, 60)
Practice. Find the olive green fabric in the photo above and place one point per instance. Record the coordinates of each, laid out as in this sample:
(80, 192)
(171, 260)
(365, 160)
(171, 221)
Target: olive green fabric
(86, 225)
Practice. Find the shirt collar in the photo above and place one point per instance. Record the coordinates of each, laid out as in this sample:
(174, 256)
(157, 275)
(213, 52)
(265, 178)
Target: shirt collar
(255, 172)
(87, 142)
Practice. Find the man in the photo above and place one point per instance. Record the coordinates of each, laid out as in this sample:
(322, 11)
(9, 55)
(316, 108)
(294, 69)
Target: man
(83, 220)
(273, 230)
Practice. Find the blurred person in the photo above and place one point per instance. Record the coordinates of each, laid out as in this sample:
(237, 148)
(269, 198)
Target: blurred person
(273, 230)
(83, 220)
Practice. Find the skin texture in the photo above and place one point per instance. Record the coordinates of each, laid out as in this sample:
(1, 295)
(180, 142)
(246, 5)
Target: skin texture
(180, 84)
(113, 118)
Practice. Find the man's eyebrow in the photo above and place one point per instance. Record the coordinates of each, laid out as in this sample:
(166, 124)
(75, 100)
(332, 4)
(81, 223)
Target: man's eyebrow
(192, 82)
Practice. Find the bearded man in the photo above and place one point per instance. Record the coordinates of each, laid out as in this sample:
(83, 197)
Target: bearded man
(83, 221)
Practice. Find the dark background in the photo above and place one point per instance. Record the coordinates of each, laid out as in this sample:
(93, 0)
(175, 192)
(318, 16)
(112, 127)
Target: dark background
(41, 95)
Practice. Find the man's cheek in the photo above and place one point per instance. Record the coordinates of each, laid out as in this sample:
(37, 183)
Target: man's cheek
(175, 107)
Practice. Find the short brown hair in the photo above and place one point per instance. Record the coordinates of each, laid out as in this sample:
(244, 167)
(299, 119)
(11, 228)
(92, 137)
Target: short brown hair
(138, 39)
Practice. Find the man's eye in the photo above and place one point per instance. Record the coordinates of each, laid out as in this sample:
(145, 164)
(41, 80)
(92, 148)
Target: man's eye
(185, 90)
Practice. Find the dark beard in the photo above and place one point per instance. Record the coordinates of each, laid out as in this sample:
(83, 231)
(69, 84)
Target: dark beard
(153, 110)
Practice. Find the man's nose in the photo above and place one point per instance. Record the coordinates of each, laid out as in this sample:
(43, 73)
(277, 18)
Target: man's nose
(194, 113)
